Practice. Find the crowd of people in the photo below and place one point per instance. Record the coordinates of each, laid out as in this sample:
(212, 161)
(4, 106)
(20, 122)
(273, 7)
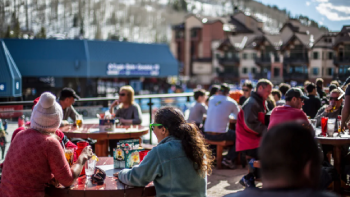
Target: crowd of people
(263, 108)
(267, 123)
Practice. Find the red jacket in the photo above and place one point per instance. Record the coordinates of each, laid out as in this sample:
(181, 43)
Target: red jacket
(284, 114)
(251, 123)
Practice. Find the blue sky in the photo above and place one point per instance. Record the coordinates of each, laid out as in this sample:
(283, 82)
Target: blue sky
(331, 13)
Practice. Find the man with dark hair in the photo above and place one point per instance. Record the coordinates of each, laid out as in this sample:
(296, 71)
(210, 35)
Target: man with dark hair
(251, 125)
(216, 126)
(333, 110)
(277, 95)
(291, 111)
(313, 104)
(247, 89)
(198, 109)
(283, 87)
(66, 100)
(306, 83)
(319, 84)
(290, 164)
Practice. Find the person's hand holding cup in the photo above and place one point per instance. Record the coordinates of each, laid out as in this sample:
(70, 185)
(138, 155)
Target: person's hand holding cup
(115, 103)
(86, 154)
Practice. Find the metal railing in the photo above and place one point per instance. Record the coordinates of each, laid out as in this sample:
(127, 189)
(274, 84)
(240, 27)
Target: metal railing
(106, 99)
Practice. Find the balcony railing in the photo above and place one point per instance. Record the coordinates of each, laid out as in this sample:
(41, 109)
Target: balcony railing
(146, 102)
(341, 77)
(260, 75)
(341, 60)
(295, 76)
(262, 61)
(296, 60)
(225, 61)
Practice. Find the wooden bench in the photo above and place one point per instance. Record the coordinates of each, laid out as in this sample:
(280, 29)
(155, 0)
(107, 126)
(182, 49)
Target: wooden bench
(219, 149)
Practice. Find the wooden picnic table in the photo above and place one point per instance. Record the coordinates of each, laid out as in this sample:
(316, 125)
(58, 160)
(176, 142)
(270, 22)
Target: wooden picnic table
(101, 147)
(336, 142)
(111, 187)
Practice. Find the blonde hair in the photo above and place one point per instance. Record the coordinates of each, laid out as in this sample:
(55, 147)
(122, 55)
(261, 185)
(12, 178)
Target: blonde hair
(129, 92)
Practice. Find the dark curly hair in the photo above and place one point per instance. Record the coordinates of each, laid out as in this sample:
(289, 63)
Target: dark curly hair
(192, 141)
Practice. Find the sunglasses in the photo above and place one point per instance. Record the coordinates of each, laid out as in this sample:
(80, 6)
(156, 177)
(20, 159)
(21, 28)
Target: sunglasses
(151, 126)
(334, 98)
(245, 90)
(122, 94)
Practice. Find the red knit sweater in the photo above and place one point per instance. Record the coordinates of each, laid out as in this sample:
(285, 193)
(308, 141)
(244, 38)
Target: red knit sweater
(284, 114)
(33, 160)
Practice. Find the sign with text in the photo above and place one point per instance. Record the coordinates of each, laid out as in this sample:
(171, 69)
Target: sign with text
(2, 87)
(11, 111)
(133, 69)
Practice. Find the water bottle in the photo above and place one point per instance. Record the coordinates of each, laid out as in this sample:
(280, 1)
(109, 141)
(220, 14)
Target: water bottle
(4, 124)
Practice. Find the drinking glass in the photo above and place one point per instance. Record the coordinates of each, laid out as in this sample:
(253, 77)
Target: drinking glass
(69, 153)
(313, 123)
(330, 127)
(79, 121)
(89, 168)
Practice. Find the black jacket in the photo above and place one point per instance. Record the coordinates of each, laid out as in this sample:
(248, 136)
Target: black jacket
(312, 106)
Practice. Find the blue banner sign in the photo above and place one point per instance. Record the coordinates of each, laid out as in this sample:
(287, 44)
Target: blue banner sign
(133, 69)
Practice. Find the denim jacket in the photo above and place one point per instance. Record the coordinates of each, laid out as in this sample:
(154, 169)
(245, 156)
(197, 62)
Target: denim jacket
(170, 170)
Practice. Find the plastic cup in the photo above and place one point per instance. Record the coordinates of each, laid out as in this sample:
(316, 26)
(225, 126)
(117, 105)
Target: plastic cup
(324, 121)
(143, 154)
(69, 153)
(330, 127)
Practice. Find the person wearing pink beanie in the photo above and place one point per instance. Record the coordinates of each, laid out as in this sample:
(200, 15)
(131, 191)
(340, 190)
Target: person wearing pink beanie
(36, 155)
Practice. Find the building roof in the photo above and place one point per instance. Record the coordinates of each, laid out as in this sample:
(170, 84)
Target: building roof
(86, 58)
(10, 77)
(238, 26)
(343, 36)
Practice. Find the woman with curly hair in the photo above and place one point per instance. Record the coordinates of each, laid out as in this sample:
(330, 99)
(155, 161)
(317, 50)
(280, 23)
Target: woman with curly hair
(179, 164)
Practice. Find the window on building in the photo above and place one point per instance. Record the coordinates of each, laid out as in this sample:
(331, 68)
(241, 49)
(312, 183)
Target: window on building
(179, 34)
(245, 70)
(245, 56)
(179, 57)
(253, 55)
(330, 55)
(253, 70)
(229, 55)
(330, 71)
(315, 55)
(315, 71)
(276, 72)
(193, 49)
(193, 33)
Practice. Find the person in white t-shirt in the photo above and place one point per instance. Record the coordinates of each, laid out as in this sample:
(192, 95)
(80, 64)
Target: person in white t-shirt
(216, 126)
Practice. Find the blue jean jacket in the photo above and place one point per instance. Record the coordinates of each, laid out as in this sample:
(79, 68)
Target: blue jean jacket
(170, 170)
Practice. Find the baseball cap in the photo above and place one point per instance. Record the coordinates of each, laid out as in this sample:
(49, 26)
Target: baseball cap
(295, 92)
(224, 87)
(69, 92)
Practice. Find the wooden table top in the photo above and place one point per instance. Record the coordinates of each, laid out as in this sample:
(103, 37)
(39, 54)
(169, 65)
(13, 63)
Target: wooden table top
(111, 187)
(93, 131)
